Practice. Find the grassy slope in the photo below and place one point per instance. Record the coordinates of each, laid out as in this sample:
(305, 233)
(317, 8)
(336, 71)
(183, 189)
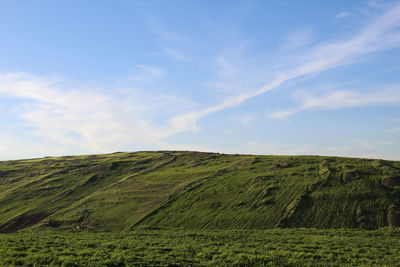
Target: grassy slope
(198, 190)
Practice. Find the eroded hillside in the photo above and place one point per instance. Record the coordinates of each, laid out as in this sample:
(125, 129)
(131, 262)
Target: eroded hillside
(195, 190)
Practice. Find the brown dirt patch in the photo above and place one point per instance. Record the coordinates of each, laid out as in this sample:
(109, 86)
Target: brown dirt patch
(392, 181)
(22, 222)
(199, 154)
(88, 225)
(394, 217)
(350, 176)
(101, 168)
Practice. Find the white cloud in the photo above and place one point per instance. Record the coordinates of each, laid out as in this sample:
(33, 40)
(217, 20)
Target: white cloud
(299, 38)
(341, 99)
(389, 142)
(175, 54)
(235, 70)
(172, 43)
(85, 118)
(394, 130)
(380, 34)
(145, 73)
(246, 7)
(342, 14)
(245, 119)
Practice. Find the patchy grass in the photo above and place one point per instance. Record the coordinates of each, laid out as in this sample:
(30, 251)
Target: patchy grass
(276, 247)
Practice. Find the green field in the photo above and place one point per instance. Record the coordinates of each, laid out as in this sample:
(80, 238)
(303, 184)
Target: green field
(275, 247)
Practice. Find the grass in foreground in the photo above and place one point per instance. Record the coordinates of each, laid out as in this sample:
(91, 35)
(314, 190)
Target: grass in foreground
(276, 247)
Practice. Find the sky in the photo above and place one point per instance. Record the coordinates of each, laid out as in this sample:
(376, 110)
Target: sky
(282, 77)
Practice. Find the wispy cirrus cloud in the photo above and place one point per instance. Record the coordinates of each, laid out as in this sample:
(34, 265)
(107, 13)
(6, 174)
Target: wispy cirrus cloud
(394, 130)
(341, 99)
(146, 73)
(176, 54)
(380, 34)
(245, 119)
(172, 43)
(299, 38)
(342, 14)
(85, 118)
(235, 71)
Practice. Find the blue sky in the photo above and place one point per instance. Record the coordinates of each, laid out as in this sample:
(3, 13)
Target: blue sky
(261, 77)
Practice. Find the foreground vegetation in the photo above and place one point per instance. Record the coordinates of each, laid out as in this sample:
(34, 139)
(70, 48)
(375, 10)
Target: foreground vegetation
(275, 247)
(194, 190)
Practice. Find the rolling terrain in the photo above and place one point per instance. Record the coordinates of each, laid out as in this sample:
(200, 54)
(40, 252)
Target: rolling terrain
(195, 190)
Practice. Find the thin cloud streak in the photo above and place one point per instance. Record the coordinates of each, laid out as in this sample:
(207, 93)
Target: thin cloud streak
(380, 34)
(394, 130)
(341, 99)
(299, 38)
(342, 15)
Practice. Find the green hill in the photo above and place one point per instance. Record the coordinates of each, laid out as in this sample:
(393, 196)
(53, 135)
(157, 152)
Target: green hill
(194, 190)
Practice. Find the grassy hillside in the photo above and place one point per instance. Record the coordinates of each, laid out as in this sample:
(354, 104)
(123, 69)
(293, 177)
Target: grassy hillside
(194, 190)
